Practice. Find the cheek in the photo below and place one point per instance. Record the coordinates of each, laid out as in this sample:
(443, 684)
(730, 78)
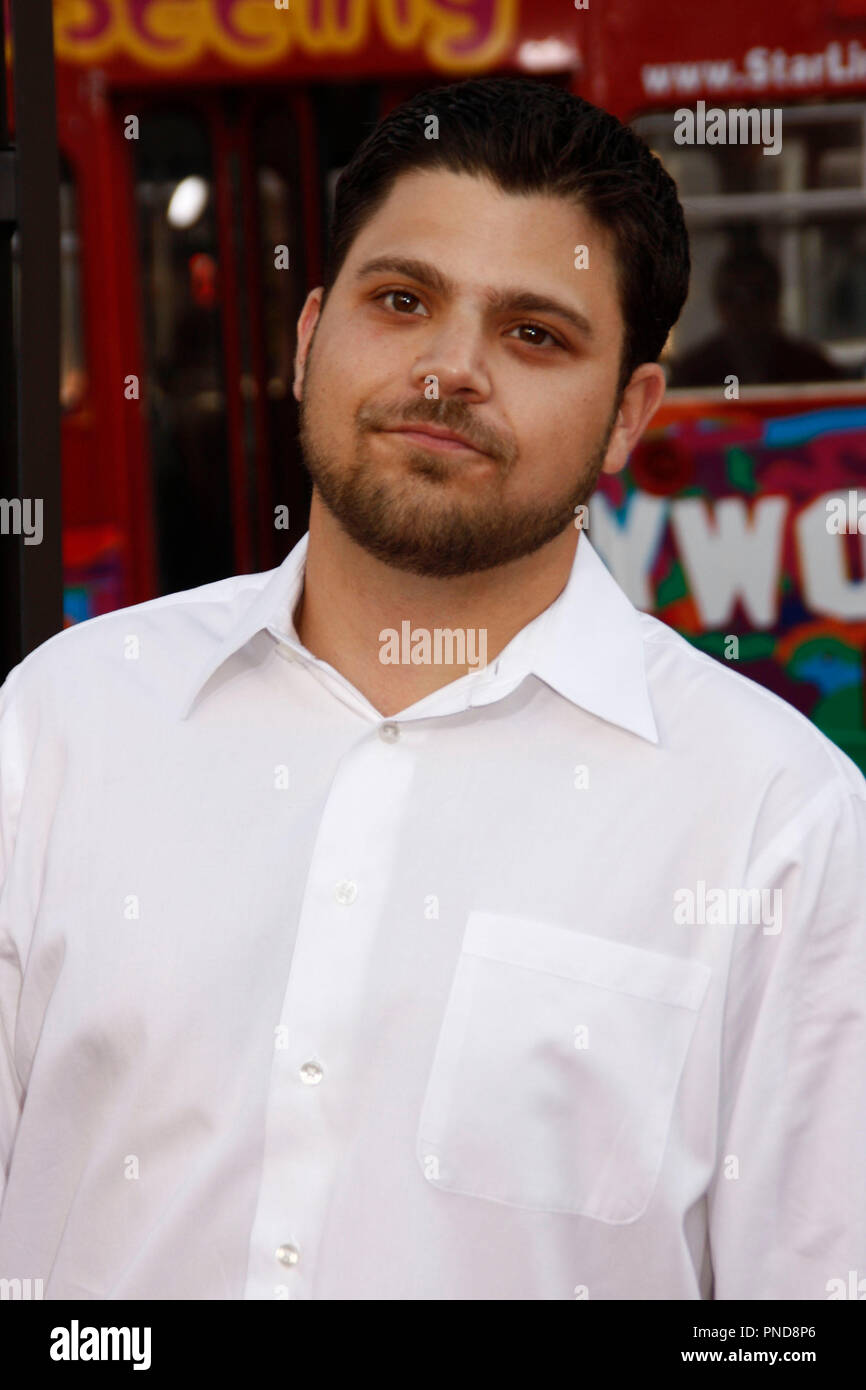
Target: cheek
(557, 435)
(330, 387)
(352, 367)
(561, 423)
(585, 411)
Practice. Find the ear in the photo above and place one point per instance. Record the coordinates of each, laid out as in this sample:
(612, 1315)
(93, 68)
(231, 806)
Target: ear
(307, 321)
(641, 399)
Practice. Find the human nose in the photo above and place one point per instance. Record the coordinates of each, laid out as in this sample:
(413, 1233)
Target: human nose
(454, 355)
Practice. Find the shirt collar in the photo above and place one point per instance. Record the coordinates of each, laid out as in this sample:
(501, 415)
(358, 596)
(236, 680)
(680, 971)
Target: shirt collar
(587, 644)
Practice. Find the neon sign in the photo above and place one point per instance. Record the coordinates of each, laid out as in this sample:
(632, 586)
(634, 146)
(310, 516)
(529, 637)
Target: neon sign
(452, 35)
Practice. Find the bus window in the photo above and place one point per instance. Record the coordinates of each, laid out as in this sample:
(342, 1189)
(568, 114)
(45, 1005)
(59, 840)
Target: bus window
(778, 289)
(181, 313)
(284, 288)
(343, 116)
(340, 117)
(73, 370)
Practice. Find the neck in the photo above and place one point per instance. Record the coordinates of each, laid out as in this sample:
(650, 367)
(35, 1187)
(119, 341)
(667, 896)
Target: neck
(350, 596)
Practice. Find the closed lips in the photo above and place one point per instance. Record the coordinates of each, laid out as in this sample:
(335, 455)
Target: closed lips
(445, 436)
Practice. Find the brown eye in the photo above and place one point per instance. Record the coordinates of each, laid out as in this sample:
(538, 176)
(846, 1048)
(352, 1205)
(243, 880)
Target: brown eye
(537, 328)
(400, 294)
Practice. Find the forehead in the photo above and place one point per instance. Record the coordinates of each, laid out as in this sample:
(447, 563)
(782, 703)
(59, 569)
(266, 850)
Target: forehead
(488, 234)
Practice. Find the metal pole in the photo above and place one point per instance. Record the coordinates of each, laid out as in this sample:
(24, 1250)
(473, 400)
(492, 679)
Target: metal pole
(31, 571)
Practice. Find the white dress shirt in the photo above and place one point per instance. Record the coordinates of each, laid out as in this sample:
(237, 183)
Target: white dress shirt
(302, 1002)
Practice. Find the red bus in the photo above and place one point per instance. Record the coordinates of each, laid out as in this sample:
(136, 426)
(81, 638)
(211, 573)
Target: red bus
(200, 143)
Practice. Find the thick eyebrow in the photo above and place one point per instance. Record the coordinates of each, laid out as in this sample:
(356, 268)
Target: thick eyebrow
(511, 299)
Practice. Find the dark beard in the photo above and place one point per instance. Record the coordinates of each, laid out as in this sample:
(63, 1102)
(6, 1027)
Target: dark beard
(434, 539)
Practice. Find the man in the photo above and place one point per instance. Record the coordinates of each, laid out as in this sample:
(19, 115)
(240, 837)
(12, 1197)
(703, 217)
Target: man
(533, 971)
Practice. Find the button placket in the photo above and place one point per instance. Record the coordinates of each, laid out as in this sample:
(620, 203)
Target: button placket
(324, 1012)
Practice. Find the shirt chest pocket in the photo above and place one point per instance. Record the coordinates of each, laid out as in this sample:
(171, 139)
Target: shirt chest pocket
(556, 1069)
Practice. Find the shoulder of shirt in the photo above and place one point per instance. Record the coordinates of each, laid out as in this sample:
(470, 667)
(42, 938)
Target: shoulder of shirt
(744, 725)
(206, 612)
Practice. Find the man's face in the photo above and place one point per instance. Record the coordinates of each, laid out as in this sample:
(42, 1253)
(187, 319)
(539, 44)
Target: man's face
(531, 388)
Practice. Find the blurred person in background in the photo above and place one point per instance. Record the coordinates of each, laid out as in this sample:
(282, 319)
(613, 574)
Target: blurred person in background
(751, 345)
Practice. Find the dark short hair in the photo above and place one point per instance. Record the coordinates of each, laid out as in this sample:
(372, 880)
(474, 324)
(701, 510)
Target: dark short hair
(531, 137)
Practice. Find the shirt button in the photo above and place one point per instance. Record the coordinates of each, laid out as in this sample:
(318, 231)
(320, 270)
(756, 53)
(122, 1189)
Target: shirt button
(311, 1073)
(287, 1254)
(346, 891)
(389, 733)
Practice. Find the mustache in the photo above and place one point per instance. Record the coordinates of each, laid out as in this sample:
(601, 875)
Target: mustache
(448, 415)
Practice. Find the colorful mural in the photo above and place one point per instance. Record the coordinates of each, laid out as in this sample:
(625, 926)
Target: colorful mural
(728, 527)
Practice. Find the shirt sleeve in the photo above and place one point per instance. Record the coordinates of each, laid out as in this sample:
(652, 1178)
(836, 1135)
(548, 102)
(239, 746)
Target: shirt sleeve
(787, 1205)
(11, 754)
